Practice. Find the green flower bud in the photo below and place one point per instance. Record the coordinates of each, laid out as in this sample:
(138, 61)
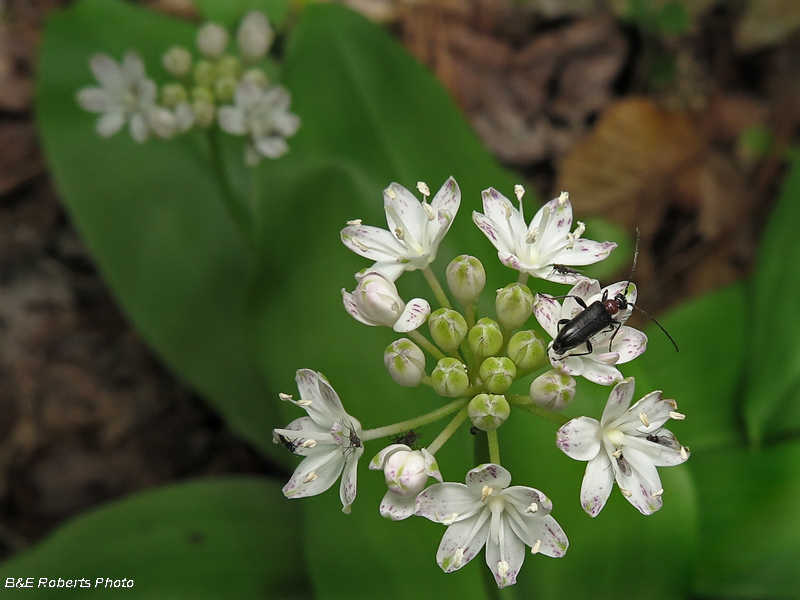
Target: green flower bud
(527, 350)
(466, 278)
(450, 378)
(485, 338)
(177, 61)
(405, 362)
(497, 374)
(448, 328)
(514, 304)
(488, 411)
(203, 113)
(173, 94)
(257, 76)
(205, 73)
(553, 390)
(229, 66)
(224, 88)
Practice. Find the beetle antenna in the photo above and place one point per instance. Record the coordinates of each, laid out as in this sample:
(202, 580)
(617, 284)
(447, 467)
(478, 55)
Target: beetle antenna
(641, 310)
(633, 267)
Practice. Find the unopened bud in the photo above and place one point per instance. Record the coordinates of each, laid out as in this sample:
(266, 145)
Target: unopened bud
(205, 73)
(224, 88)
(229, 66)
(257, 77)
(497, 374)
(203, 106)
(514, 304)
(177, 61)
(448, 328)
(254, 36)
(405, 362)
(466, 278)
(212, 40)
(553, 390)
(450, 378)
(485, 338)
(488, 411)
(174, 94)
(527, 350)
(406, 473)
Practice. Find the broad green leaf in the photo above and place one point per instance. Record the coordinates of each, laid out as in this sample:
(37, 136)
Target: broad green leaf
(224, 538)
(705, 376)
(749, 523)
(153, 214)
(772, 392)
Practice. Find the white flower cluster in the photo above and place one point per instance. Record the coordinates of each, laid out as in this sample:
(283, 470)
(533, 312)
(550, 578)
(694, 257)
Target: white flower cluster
(477, 362)
(227, 89)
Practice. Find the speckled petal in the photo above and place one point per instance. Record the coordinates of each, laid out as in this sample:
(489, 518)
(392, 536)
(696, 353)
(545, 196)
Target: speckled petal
(397, 508)
(404, 210)
(584, 252)
(522, 497)
(380, 458)
(488, 474)
(598, 480)
(447, 199)
(465, 538)
(643, 483)
(580, 438)
(547, 311)
(373, 243)
(443, 500)
(510, 553)
(628, 343)
(496, 234)
(618, 401)
(325, 407)
(347, 489)
(326, 468)
(600, 373)
(544, 529)
(413, 316)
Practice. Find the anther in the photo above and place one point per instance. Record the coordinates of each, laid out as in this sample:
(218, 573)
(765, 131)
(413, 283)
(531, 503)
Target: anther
(643, 418)
(674, 414)
(502, 568)
(423, 188)
(302, 403)
(532, 508)
(355, 222)
(684, 452)
(285, 397)
(360, 245)
(563, 197)
(486, 492)
(312, 475)
(532, 235)
(657, 494)
(570, 241)
(519, 192)
(429, 211)
(626, 493)
(458, 558)
(399, 233)
(579, 230)
(536, 546)
(309, 443)
(448, 520)
(390, 192)
(507, 210)
(617, 453)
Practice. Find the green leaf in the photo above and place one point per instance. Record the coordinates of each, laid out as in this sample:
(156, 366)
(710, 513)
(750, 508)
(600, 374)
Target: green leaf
(750, 545)
(772, 393)
(153, 214)
(225, 538)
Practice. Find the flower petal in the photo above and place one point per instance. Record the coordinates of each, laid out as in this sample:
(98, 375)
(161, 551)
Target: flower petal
(396, 507)
(544, 529)
(643, 484)
(547, 311)
(505, 558)
(373, 243)
(325, 407)
(628, 343)
(315, 474)
(585, 252)
(618, 401)
(597, 483)
(94, 99)
(347, 489)
(448, 199)
(492, 230)
(413, 316)
(110, 123)
(580, 438)
(443, 501)
(107, 72)
(404, 211)
(271, 146)
(600, 373)
(231, 120)
(462, 541)
(488, 474)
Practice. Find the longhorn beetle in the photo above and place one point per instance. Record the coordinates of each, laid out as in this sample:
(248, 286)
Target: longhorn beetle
(596, 317)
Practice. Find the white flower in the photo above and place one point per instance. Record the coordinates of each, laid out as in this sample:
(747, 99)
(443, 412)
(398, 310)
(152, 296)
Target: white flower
(375, 301)
(212, 39)
(546, 245)
(254, 36)
(328, 438)
(598, 365)
(406, 472)
(125, 95)
(487, 511)
(415, 230)
(626, 445)
(264, 115)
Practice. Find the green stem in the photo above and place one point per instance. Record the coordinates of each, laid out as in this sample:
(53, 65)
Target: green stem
(494, 447)
(395, 428)
(428, 345)
(438, 291)
(451, 428)
(236, 209)
(525, 403)
(469, 315)
(523, 278)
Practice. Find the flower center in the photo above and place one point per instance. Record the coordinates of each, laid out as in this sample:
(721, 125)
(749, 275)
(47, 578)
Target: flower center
(615, 437)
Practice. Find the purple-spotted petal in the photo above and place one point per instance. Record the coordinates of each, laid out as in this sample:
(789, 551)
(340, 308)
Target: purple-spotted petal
(580, 438)
(461, 542)
(628, 344)
(371, 242)
(585, 252)
(413, 316)
(505, 558)
(544, 530)
(618, 401)
(347, 489)
(488, 474)
(443, 501)
(598, 480)
(315, 474)
(600, 373)
(380, 458)
(447, 199)
(496, 235)
(643, 485)
(547, 311)
(397, 508)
